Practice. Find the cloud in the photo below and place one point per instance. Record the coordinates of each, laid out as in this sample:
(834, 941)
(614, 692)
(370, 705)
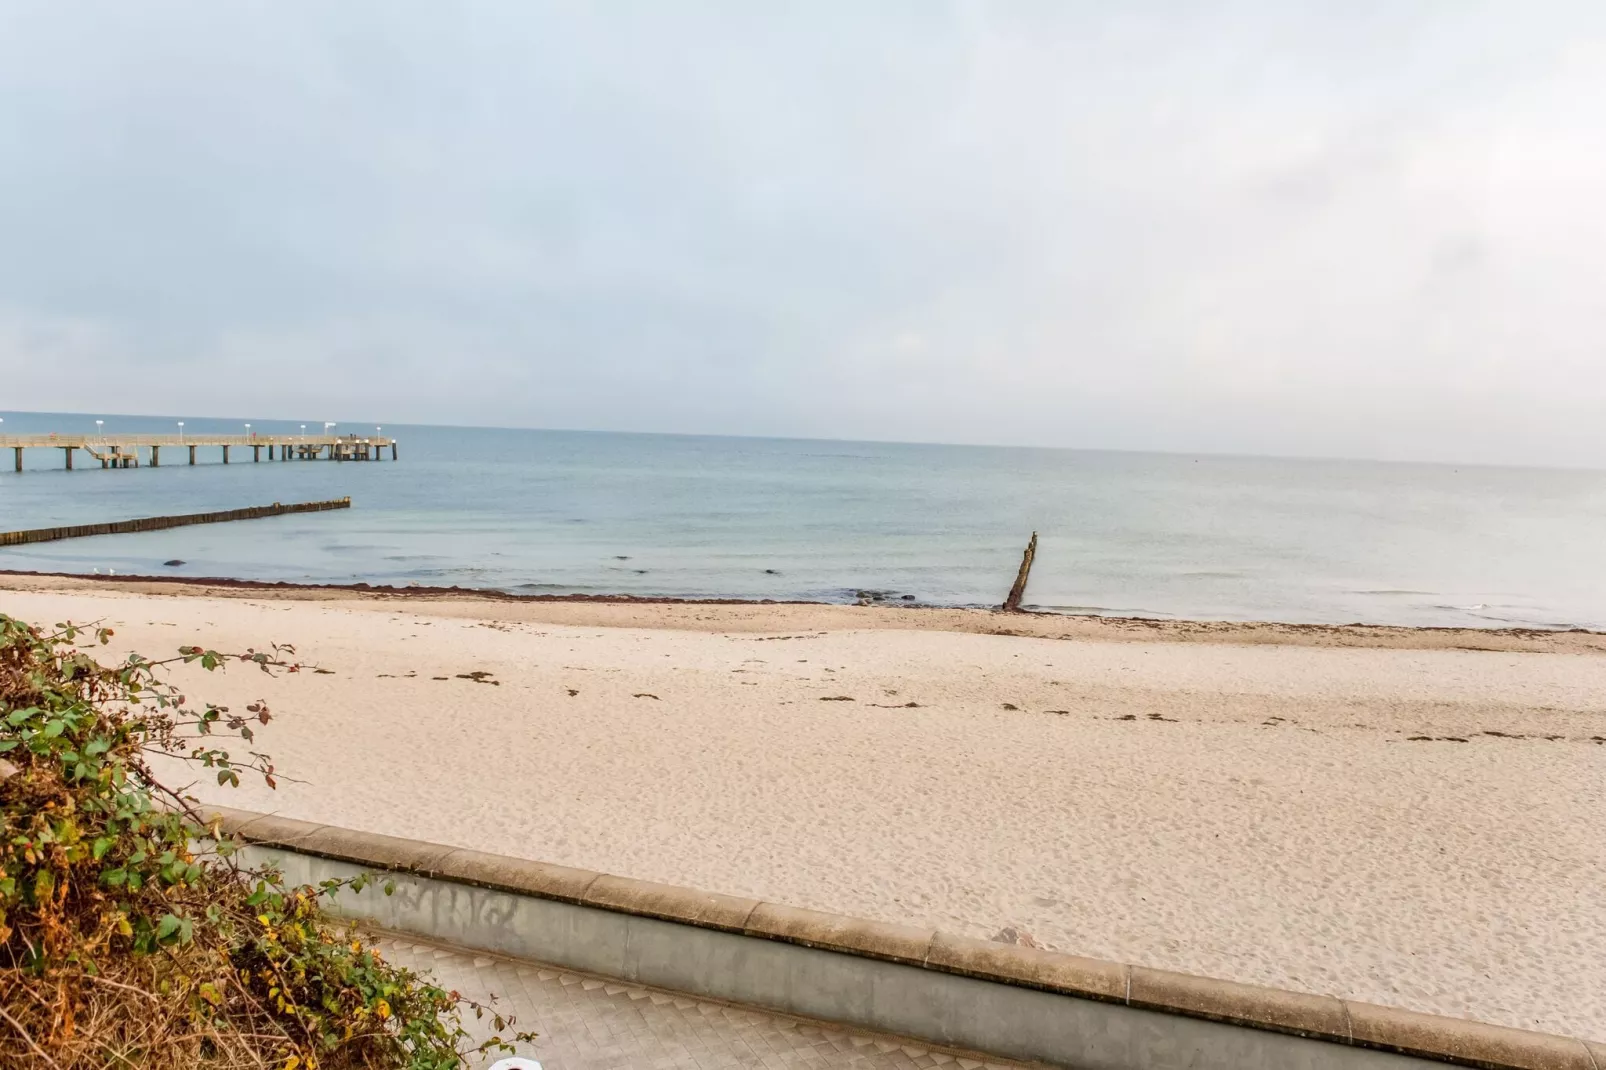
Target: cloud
(1367, 230)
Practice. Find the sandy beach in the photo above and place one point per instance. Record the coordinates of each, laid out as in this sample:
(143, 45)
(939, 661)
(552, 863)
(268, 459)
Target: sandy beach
(1409, 817)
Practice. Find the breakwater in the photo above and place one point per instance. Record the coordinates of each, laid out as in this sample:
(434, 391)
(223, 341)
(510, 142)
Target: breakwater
(158, 523)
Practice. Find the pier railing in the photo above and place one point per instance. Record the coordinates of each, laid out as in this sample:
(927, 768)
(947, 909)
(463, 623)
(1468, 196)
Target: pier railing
(60, 441)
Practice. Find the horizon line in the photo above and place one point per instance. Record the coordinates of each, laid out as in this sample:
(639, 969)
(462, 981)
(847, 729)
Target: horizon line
(1221, 454)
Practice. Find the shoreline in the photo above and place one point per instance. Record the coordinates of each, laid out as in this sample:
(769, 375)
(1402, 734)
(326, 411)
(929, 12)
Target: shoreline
(747, 614)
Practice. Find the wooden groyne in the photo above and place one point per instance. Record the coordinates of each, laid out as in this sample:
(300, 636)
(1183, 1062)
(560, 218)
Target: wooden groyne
(158, 523)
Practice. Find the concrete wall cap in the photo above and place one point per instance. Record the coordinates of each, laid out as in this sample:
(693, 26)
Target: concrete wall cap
(540, 879)
(391, 853)
(230, 821)
(1299, 1013)
(1051, 971)
(813, 928)
(270, 829)
(1464, 1041)
(671, 903)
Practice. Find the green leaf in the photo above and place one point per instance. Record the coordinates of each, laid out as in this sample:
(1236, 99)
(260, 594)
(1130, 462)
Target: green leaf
(55, 728)
(167, 926)
(8, 744)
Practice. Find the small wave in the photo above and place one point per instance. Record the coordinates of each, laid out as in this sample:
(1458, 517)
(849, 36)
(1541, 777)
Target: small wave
(1510, 621)
(1394, 590)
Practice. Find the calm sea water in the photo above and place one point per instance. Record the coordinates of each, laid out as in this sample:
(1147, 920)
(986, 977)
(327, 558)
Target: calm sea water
(1121, 533)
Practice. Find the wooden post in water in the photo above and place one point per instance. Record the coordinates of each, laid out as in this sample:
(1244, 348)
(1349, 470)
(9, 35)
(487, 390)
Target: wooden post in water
(18, 450)
(68, 451)
(225, 455)
(156, 456)
(256, 454)
(1017, 592)
(192, 454)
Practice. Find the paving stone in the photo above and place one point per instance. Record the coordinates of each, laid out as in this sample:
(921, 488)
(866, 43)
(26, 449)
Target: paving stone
(588, 1023)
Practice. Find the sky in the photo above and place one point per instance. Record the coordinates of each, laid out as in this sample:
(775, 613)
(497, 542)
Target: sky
(1347, 228)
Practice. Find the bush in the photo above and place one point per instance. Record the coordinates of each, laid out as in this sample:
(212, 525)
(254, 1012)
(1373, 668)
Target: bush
(124, 942)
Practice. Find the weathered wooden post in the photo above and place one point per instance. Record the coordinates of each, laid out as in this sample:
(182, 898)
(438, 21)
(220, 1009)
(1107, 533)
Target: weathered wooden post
(192, 454)
(68, 451)
(225, 455)
(1017, 592)
(18, 451)
(392, 451)
(256, 454)
(156, 456)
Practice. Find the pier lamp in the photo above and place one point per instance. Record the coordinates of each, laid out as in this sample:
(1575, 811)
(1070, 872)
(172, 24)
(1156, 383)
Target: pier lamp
(100, 428)
(181, 430)
(247, 430)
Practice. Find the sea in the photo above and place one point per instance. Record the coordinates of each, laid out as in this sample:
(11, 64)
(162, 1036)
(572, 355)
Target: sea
(1159, 535)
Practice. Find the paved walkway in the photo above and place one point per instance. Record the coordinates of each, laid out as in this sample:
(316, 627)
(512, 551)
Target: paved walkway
(590, 1023)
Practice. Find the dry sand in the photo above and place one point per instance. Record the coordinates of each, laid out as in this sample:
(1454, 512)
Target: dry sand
(1378, 814)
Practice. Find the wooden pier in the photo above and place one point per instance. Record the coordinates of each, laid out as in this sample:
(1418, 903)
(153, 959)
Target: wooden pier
(124, 451)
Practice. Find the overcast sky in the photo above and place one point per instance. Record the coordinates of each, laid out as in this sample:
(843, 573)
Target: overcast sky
(1347, 228)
